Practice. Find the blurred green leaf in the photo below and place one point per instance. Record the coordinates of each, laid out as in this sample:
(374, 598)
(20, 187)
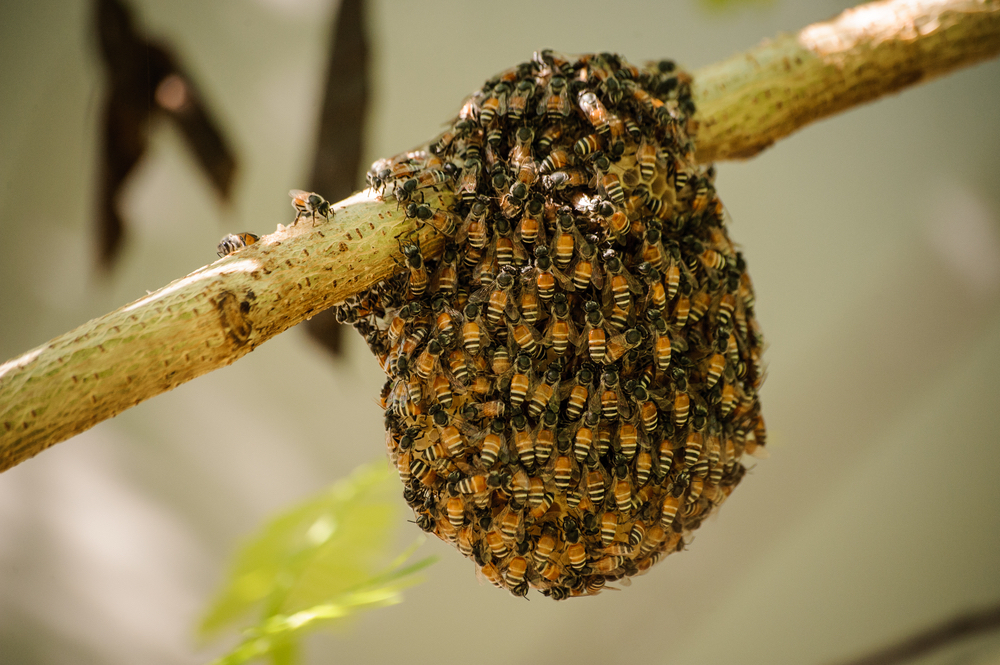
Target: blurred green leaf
(313, 565)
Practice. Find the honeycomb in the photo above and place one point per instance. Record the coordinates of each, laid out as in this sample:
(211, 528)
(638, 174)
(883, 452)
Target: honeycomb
(573, 384)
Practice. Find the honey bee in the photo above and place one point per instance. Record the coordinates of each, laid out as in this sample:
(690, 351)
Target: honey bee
(526, 176)
(595, 112)
(493, 445)
(620, 283)
(511, 525)
(507, 249)
(443, 222)
(555, 161)
(519, 100)
(497, 297)
(727, 400)
(515, 576)
(701, 196)
(549, 135)
(524, 335)
(596, 479)
(645, 157)
(500, 362)
(668, 511)
(233, 243)
(519, 488)
(566, 239)
(606, 396)
(531, 228)
(716, 365)
(445, 278)
(683, 306)
(469, 180)
(445, 140)
(545, 391)
(594, 332)
(399, 401)
(566, 178)
(443, 391)
(307, 204)
(584, 437)
(609, 528)
(578, 393)
(429, 178)
(455, 509)
(643, 467)
(628, 440)
(472, 334)
(545, 546)
(544, 437)
(619, 345)
(561, 331)
(623, 495)
(419, 278)
(521, 379)
(422, 471)
(495, 105)
(611, 185)
(562, 472)
(692, 449)
(587, 145)
(633, 129)
(555, 101)
(586, 270)
(530, 303)
(474, 227)
(727, 304)
(543, 507)
(682, 401)
(545, 275)
(459, 366)
(576, 555)
(491, 575)
(477, 411)
(465, 541)
(652, 247)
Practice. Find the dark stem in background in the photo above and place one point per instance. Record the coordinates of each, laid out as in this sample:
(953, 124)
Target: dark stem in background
(337, 164)
(929, 640)
(145, 82)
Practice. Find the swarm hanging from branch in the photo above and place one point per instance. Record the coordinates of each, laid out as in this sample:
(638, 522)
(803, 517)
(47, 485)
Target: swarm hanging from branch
(571, 458)
(217, 314)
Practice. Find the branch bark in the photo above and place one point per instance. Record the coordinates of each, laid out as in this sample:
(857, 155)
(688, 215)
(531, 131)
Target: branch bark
(751, 100)
(219, 313)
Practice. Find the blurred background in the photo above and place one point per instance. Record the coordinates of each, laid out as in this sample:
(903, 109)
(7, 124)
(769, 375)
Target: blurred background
(873, 239)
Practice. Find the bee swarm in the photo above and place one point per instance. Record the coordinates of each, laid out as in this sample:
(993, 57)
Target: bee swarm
(573, 384)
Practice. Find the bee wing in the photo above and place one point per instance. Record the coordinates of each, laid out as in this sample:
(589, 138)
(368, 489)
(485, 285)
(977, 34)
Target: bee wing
(633, 284)
(597, 276)
(488, 262)
(616, 348)
(481, 295)
(565, 281)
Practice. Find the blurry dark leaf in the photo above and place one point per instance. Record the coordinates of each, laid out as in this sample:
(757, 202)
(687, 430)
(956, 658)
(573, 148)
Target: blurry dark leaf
(336, 166)
(145, 81)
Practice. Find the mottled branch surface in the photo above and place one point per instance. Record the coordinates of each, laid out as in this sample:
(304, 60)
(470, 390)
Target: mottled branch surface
(219, 313)
(751, 100)
(198, 323)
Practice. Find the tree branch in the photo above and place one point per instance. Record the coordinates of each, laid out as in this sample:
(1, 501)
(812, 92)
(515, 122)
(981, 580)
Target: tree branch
(751, 100)
(219, 313)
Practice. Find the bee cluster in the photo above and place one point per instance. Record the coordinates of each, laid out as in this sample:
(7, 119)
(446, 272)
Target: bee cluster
(573, 383)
